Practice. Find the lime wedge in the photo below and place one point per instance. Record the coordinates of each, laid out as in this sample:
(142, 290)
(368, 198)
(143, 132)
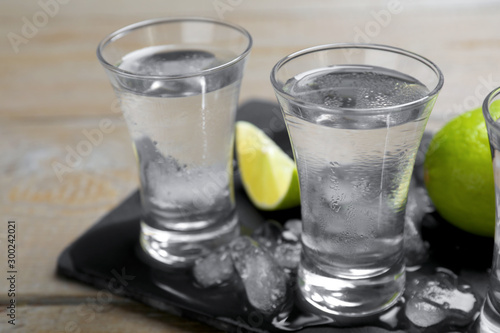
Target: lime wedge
(269, 175)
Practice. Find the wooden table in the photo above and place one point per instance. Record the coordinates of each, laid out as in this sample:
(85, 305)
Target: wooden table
(53, 91)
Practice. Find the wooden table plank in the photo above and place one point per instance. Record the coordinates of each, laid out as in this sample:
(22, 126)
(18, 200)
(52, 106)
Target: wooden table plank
(88, 316)
(59, 67)
(49, 211)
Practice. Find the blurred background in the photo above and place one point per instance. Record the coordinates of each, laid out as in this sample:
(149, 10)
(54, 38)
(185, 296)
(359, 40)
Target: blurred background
(53, 93)
(53, 70)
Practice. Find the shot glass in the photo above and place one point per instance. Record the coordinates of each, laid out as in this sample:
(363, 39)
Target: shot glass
(178, 83)
(489, 320)
(355, 114)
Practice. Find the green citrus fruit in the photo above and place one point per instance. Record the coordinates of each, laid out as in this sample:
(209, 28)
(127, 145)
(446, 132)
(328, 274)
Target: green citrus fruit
(269, 175)
(459, 174)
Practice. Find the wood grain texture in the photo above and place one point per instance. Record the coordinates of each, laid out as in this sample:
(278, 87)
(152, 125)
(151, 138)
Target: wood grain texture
(85, 316)
(49, 211)
(53, 91)
(58, 65)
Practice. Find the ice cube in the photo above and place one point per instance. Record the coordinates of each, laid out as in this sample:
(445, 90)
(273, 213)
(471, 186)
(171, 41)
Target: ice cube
(214, 269)
(268, 234)
(416, 250)
(287, 255)
(440, 299)
(424, 314)
(263, 279)
(390, 317)
(418, 204)
(147, 150)
(418, 170)
(293, 230)
(158, 174)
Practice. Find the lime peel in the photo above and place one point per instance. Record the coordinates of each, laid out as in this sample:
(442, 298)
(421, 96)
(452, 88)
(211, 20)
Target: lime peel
(459, 175)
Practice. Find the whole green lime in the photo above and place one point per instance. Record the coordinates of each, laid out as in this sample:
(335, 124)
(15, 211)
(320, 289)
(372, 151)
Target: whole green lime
(459, 174)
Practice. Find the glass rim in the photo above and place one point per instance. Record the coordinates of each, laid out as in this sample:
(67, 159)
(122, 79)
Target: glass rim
(135, 26)
(486, 107)
(379, 47)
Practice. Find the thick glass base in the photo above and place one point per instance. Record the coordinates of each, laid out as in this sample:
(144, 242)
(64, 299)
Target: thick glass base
(182, 248)
(351, 297)
(489, 321)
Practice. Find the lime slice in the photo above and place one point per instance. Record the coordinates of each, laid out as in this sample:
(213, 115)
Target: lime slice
(269, 175)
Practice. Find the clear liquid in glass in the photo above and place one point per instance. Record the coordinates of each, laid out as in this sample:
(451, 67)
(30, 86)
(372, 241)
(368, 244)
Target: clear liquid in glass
(183, 137)
(354, 169)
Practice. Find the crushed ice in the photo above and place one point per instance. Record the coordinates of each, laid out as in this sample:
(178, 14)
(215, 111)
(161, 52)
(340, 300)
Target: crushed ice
(214, 269)
(440, 299)
(417, 205)
(263, 263)
(264, 281)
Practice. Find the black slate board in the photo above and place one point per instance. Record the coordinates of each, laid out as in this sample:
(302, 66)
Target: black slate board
(108, 256)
